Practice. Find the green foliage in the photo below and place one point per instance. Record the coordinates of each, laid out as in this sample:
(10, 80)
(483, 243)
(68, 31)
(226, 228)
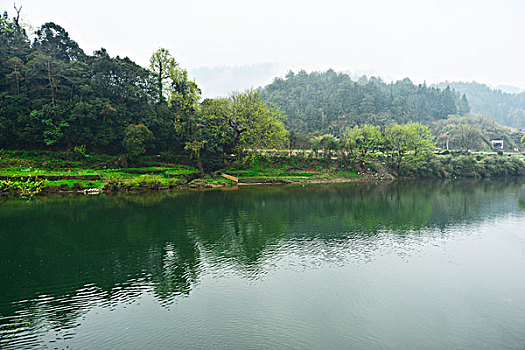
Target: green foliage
(473, 133)
(328, 143)
(413, 139)
(241, 123)
(148, 181)
(362, 143)
(80, 150)
(53, 95)
(163, 65)
(23, 187)
(466, 166)
(254, 124)
(137, 138)
(504, 108)
(329, 102)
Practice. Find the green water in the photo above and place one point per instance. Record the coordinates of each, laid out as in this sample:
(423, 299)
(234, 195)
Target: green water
(402, 266)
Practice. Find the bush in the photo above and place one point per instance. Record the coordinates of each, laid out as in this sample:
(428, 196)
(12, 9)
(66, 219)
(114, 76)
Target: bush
(137, 139)
(25, 188)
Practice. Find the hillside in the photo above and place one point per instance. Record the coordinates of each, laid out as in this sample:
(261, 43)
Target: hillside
(474, 132)
(505, 108)
(327, 102)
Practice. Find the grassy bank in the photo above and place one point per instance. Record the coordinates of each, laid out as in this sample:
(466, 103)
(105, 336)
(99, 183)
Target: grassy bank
(28, 173)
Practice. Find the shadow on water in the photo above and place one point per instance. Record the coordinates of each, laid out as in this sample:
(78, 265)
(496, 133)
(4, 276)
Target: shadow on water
(62, 256)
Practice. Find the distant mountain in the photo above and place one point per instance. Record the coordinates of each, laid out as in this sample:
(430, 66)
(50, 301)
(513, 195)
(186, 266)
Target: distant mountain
(222, 81)
(503, 107)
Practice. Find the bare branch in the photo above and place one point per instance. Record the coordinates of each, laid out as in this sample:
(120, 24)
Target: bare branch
(17, 18)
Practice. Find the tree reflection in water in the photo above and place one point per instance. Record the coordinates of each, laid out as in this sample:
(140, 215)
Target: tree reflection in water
(62, 256)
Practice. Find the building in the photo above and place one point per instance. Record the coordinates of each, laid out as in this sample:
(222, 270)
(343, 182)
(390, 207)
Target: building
(497, 144)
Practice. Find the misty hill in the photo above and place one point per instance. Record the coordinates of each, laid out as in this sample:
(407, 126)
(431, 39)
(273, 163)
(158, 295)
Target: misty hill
(505, 108)
(327, 102)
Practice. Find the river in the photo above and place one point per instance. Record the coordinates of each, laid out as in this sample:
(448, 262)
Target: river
(426, 265)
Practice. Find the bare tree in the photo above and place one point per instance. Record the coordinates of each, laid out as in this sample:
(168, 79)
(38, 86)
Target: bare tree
(17, 18)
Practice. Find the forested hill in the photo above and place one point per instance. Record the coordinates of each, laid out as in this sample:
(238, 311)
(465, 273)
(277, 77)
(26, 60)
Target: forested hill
(53, 94)
(327, 101)
(505, 108)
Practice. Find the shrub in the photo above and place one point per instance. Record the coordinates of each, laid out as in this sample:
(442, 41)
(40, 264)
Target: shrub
(137, 138)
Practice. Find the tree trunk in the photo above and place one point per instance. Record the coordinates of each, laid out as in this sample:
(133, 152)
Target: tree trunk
(199, 164)
(160, 81)
(51, 84)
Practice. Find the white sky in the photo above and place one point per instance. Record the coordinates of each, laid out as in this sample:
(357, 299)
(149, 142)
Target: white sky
(421, 39)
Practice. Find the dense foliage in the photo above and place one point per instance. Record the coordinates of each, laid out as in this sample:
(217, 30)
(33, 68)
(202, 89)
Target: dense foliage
(55, 96)
(474, 133)
(467, 166)
(504, 108)
(327, 102)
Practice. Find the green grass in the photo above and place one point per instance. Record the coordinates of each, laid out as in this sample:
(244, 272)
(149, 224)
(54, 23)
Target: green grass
(75, 184)
(60, 171)
(259, 174)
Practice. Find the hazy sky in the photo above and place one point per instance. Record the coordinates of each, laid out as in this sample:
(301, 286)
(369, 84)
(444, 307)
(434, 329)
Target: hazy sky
(424, 40)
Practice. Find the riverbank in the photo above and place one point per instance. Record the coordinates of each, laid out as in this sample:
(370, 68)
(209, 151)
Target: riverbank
(29, 173)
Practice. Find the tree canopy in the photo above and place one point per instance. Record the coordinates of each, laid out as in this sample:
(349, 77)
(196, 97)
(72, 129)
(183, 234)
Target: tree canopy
(55, 96)
(505, 108)
(328, 102)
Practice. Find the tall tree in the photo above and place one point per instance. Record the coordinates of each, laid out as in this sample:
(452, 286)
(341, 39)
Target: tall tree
(466, 137)
(412, 138)
(162, 64)
(360, 142)
(463, 105)
(254, 124)
(184, 96)
(53, 40)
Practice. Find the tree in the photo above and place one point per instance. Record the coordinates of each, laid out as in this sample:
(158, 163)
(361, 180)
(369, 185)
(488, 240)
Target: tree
(412, 138)
(329, 102)
(466, 136)
(328, 143)
(53, 40)
(137, 138)
(360, 142)
(184, 96)
(523, 141)
(463, 105)
(253, 124)
(235, 124)
(15, 64)
(163, 65)
(214, 116)
(44, 73)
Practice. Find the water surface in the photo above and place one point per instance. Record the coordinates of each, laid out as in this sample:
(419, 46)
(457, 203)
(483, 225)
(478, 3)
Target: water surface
(402, 266)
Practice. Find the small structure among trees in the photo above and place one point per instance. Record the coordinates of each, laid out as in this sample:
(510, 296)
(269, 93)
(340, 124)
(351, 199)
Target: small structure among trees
(497, 144)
